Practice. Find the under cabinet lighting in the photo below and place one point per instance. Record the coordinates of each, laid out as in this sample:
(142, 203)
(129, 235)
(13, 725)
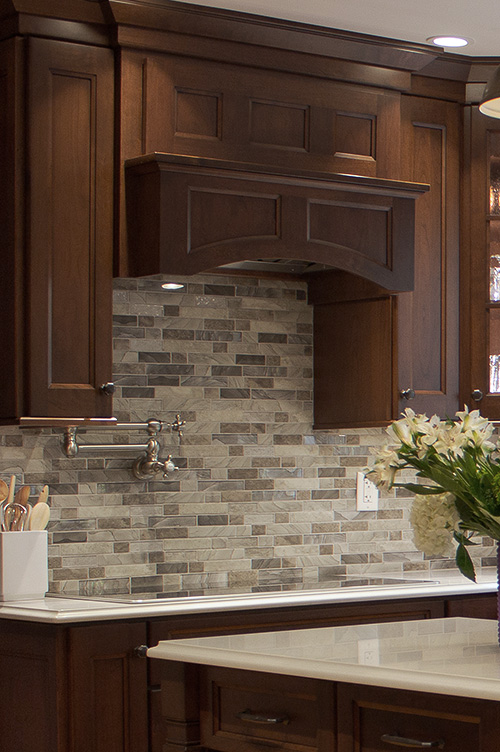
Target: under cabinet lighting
(173, 286)
(447, 41)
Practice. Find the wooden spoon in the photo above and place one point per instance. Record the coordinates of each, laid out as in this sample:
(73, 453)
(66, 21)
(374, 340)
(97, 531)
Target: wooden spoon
(4, 490)
(12, 488)
(7, 509)
(44, 495)
(40, 515)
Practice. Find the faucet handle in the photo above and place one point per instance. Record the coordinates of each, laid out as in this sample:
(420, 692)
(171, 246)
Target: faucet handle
(169, 466)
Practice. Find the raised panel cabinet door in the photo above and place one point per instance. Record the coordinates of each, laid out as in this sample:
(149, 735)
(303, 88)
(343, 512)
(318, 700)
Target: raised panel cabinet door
(428, 316)
(11, 222)
(70, 229)
(108, 688)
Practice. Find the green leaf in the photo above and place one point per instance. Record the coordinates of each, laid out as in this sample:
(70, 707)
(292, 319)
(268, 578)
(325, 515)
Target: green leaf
(464, 563)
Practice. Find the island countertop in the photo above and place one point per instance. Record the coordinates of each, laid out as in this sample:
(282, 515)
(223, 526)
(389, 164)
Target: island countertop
(68, 609)
(451, 656)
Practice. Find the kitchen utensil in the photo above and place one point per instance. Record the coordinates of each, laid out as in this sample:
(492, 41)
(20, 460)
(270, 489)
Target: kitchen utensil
(21, 508)
(44, 495)
(19, 516)
(4, 490)
(40, 515)
(7, 510)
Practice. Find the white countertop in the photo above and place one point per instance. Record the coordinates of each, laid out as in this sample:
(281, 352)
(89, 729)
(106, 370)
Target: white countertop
(54, 610)
(453, 656)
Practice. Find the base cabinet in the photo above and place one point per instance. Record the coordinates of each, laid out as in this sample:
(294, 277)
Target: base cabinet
(240, 710)
(375, 719)
(90, 688)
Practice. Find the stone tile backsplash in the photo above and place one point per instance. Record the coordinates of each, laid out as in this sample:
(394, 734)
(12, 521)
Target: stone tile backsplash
(260, 498)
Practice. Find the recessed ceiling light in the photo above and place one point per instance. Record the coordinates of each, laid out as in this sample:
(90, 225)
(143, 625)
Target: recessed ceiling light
(447, 41)
(172, 286)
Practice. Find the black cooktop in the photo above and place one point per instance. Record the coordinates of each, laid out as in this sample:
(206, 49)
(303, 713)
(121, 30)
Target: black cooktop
(107, 593)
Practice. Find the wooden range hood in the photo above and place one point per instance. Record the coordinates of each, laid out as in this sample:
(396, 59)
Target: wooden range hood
(190, 214)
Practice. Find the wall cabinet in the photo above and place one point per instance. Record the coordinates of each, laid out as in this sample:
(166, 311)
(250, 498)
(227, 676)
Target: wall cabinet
(399, 351)
(480, 271)
(56, 157)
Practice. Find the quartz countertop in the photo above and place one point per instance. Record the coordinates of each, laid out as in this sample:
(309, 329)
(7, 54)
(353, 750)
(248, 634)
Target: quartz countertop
(104, 608)
(452, 656)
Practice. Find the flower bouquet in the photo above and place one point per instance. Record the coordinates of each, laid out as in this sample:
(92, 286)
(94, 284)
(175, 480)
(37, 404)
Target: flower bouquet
(458, 491)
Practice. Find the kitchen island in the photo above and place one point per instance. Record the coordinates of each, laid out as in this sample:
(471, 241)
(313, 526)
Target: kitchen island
(414, 684)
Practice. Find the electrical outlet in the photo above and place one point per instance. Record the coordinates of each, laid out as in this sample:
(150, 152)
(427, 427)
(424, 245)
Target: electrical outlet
(368, 652)
(366, 494)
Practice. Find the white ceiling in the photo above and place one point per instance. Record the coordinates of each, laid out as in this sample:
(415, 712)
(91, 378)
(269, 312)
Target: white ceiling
(408, 20)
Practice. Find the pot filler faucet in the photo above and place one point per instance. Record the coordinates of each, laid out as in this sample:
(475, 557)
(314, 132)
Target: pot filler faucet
(148, 464)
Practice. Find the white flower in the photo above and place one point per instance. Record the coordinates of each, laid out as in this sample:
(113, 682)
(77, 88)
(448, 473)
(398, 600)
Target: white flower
(385, 468)
(434, 519)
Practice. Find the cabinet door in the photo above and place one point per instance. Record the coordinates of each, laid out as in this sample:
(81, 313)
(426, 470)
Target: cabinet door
(69, 230)
(11, 212)
(108, 688)
(428, 316)
(354, 363)
(480, 331)
(374, 719)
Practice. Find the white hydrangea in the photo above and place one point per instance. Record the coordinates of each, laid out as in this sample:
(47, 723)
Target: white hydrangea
(434, 519)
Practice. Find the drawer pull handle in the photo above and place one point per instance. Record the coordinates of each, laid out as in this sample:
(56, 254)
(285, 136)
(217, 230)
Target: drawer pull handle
(251, 717)
(401, 741)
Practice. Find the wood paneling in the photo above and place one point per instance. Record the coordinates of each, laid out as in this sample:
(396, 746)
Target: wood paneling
(187, 215)
(262, 116)
(70, 228)
(185, 106)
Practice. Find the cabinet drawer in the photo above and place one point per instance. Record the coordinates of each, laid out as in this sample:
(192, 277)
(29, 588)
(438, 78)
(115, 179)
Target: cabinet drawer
(373, 719)
(243, 709)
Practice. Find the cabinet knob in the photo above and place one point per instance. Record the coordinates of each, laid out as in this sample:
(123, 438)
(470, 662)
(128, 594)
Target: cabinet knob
(477, 395)
(140, 651)
(108, 388)
(407, 394)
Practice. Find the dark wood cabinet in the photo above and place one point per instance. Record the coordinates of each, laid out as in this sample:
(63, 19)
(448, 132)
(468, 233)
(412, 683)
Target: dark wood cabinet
(73, 689)
(90, 687)
(57, 206)
(428, 317)
(399, 351)
(480, 267)
(375, 719)
(254, 114)
(107, 681)
(240, 710)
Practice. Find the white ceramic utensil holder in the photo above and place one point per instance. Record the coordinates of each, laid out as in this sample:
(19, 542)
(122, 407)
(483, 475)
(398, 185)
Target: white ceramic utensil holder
(23, 565)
